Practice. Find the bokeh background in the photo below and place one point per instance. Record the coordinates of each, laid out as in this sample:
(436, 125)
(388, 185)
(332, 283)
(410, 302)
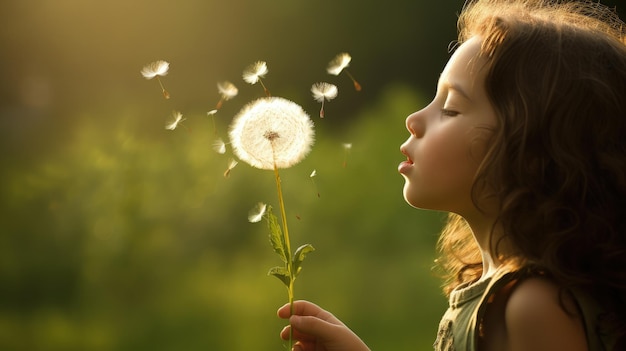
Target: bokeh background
(117, 234)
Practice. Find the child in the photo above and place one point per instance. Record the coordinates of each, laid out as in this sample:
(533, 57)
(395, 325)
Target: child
(525, 145)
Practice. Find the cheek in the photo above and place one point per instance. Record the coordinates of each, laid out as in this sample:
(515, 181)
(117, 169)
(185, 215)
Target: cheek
(442, 175)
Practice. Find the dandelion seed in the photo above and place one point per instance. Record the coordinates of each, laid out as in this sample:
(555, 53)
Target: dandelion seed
(346, 147)
(253, 74)
(211, 113)
(338, 64)
(219, 146)
(227, 91)
(313, 174)
(156, 69)
(177, 118)
(231, 164)
(324, 92)
(256, 214)
(271, 133)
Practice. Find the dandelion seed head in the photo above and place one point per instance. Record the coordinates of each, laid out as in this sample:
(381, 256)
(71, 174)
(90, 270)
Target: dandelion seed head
(177, 117)
(337, 64)
(324, 91)
(227, 90)
(219, 146)
(257, 213)
(271, 131)
(254, 72)
(156, 68)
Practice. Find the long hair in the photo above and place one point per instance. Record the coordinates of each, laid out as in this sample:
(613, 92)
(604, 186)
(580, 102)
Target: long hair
(556, 163)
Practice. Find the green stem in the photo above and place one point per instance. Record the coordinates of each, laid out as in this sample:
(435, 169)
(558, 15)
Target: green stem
(292, 277)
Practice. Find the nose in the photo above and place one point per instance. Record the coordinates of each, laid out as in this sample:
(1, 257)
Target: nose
(415, 124)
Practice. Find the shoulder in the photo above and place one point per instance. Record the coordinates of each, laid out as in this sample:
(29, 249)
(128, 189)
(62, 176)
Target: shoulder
(539, 317)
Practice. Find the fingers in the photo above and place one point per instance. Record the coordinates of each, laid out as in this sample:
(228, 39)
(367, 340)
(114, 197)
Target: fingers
(306, 308)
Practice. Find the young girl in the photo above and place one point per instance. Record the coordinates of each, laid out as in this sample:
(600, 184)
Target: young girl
(525, 145)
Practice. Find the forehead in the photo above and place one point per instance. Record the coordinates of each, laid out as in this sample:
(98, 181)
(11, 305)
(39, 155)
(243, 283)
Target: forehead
(464, 68)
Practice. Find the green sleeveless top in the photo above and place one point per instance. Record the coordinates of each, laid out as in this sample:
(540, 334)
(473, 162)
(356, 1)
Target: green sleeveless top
(459, 327)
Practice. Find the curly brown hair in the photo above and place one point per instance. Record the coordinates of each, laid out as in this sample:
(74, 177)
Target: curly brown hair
(557, 158)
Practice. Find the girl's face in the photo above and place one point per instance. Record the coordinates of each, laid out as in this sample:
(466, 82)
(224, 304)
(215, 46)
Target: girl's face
(448, 137)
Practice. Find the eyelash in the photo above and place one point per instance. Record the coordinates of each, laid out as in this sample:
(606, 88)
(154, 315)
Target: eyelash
(448, 113)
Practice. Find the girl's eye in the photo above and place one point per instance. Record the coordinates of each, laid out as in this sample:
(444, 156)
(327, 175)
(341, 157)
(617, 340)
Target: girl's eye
(448, 113)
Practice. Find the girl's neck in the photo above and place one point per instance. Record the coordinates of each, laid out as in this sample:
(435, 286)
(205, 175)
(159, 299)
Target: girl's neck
(487, 237)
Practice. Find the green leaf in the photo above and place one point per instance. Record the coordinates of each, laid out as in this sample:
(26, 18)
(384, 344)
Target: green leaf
(281, 273)
(276, 235)
(299, 256)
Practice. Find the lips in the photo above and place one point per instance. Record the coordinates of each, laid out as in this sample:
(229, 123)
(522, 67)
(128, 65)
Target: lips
(404, 166)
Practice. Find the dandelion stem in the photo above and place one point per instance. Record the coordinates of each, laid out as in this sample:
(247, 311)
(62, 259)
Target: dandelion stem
(292, 275)
(166, 94)
(267, 92)
(357, 86)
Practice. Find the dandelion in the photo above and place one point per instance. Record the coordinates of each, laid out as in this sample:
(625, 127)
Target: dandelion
(346, 150)
(231, 164)
(253, 74)
(176, 119)
(256, 214)
(312, 176)
(227, 91)
(156, 69)
(271, 132)
(219, 146)
(338, 64)
(323, 92)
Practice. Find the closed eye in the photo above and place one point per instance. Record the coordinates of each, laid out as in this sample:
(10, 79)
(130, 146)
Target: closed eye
(449, 113)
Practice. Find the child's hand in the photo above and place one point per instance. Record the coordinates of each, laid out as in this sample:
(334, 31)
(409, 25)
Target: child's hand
(318, 330)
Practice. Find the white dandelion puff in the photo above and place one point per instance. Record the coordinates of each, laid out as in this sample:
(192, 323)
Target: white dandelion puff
(219, 146)
(176, 119)
(346, 150)
(231, 164)
(256, 214)
(157, 69)
(339, 64)
(271, 133)
(253, 74)
(312, 176)
(323, 92)
(227, 91)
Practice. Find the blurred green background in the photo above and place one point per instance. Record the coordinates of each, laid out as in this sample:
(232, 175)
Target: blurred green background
(117, 234)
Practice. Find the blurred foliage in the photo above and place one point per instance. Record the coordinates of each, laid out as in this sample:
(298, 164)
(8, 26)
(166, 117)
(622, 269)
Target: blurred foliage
(131, 242)
(116, 234)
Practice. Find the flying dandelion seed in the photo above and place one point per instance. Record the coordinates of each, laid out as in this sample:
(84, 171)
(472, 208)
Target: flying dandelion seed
(155, 70)
(338, 64)
(346, 147)
(211, 113)
(231, 164)
(253, 74)
(312, 176)
(271, 132)
(177, 118)
(323, 92)
(256, 214)
(227, 91)
(219, 146)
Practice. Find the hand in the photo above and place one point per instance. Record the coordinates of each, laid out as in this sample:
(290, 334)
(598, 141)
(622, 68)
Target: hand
(318, 330)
